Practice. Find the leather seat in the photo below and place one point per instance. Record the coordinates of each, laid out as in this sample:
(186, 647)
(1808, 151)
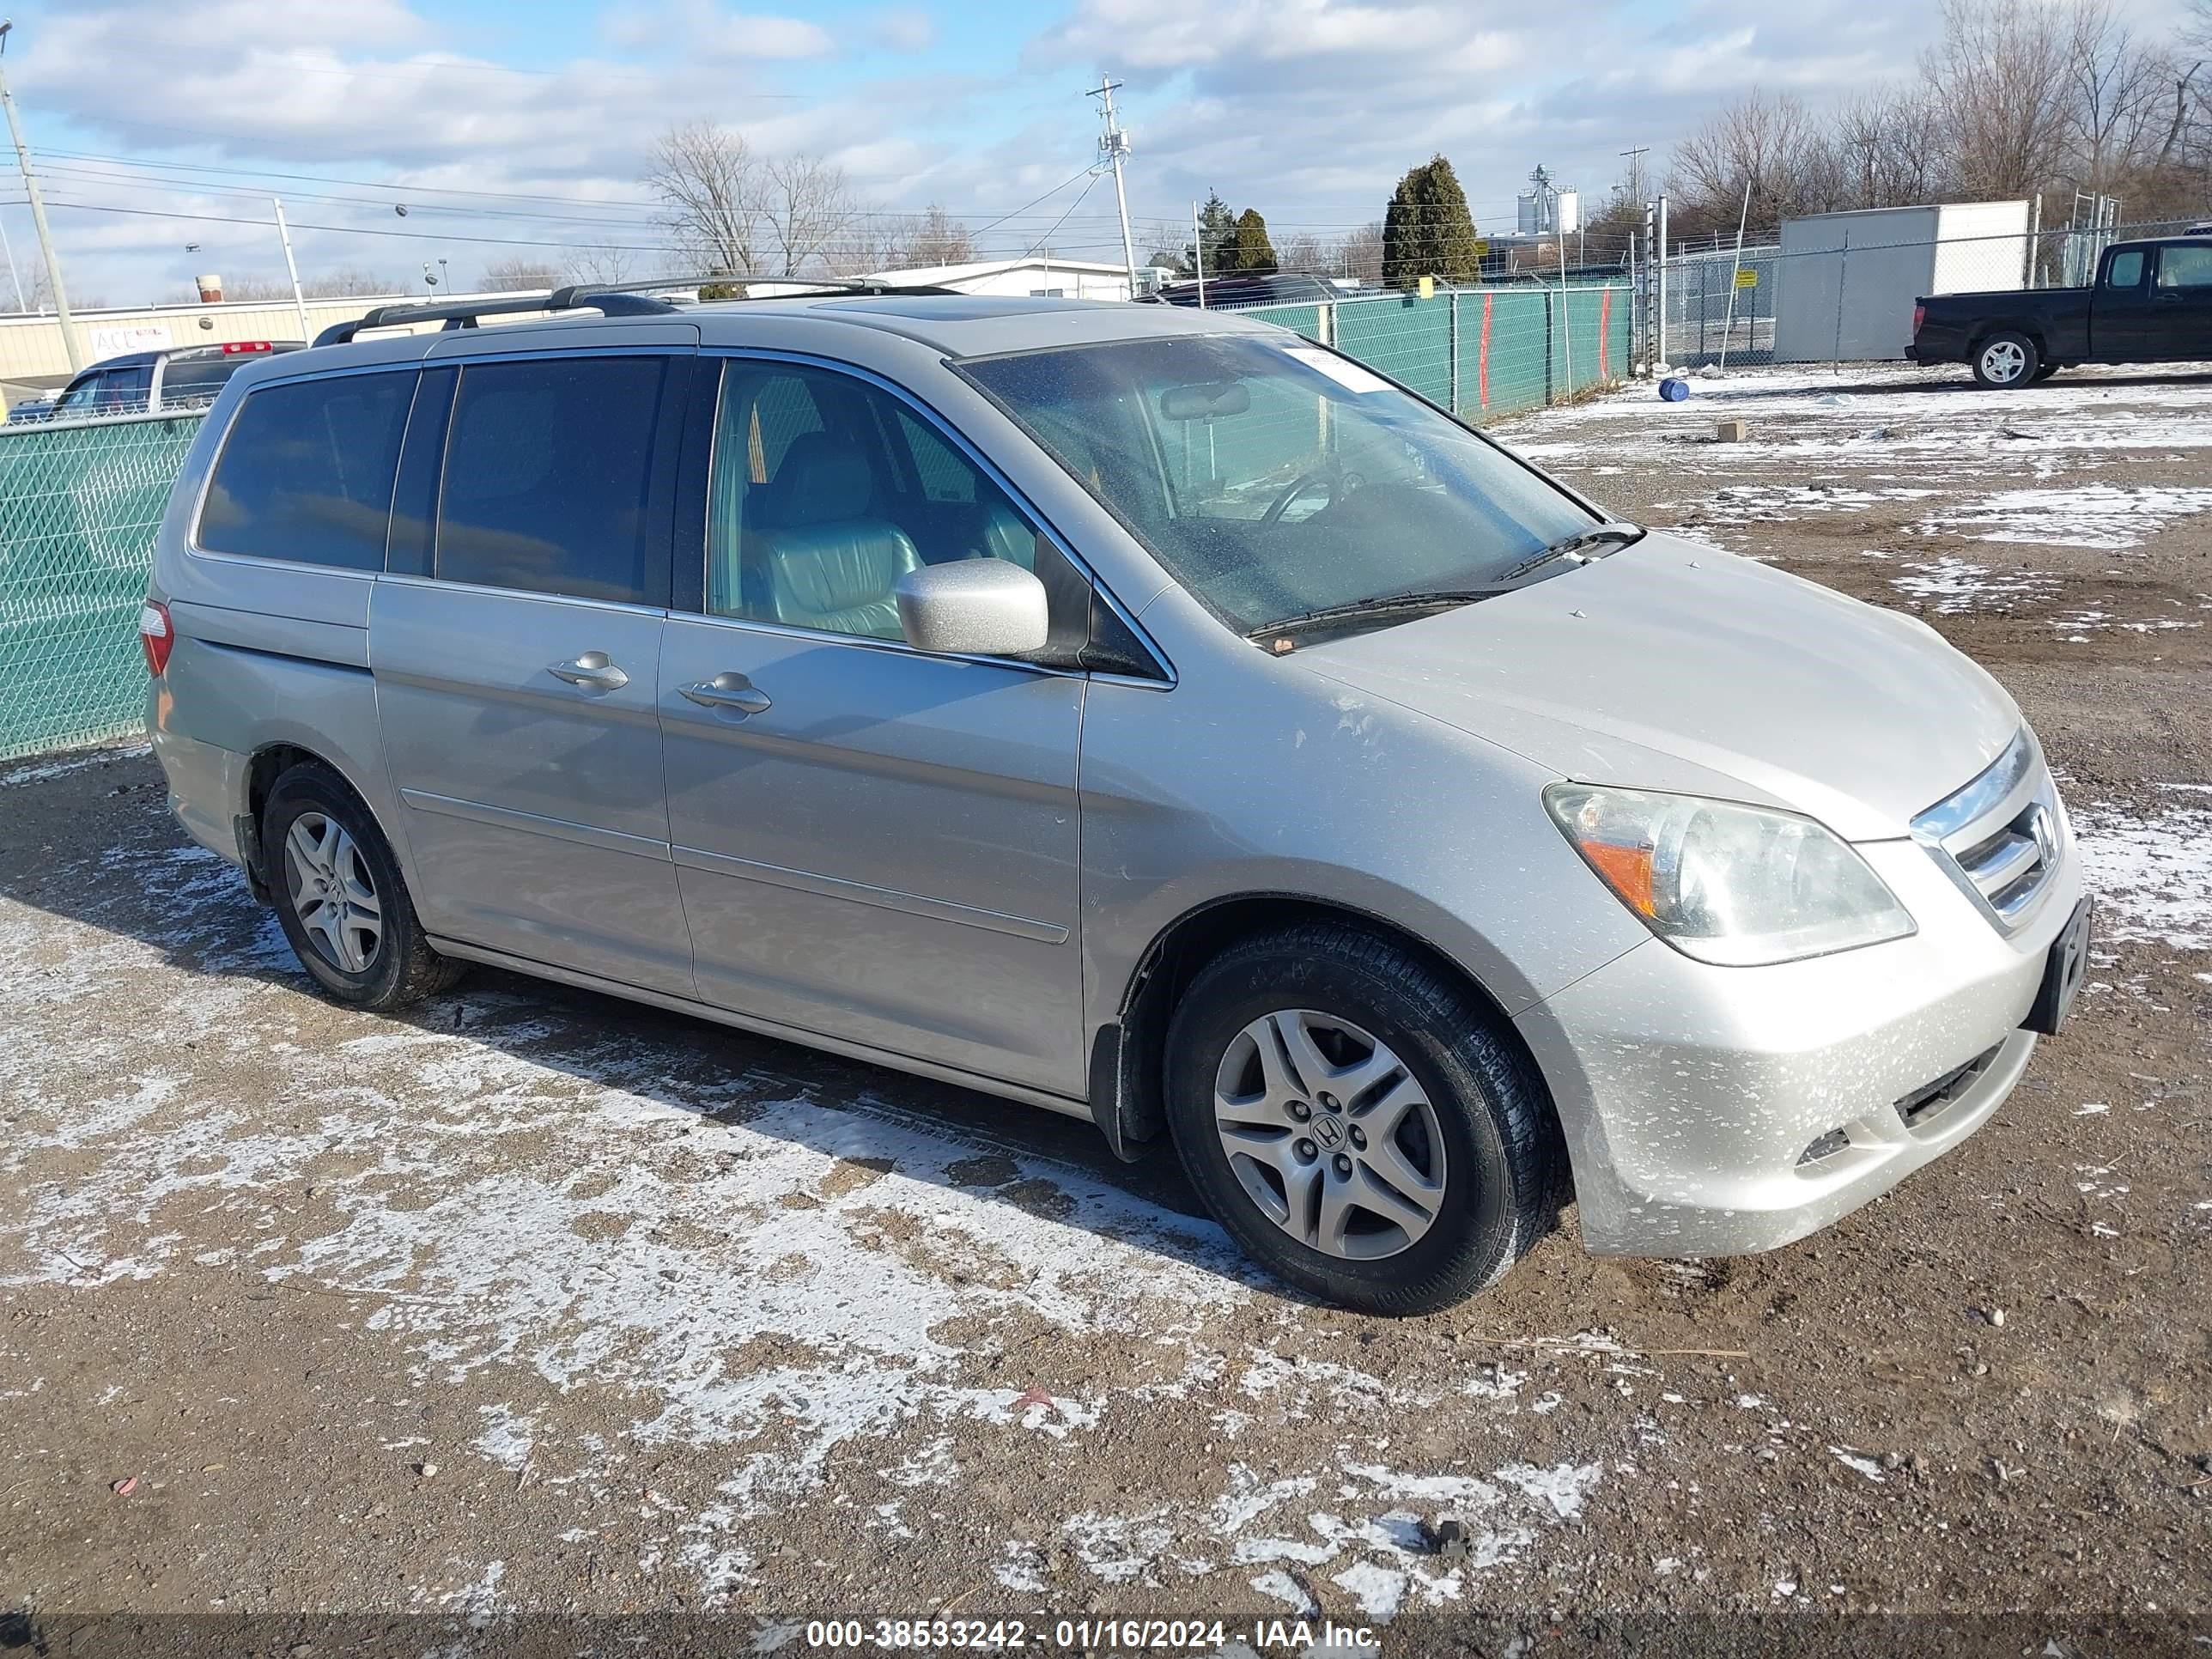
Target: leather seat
(827, 564)
(1007, 536)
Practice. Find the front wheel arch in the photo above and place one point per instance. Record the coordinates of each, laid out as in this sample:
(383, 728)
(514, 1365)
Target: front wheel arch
(1128, 1058)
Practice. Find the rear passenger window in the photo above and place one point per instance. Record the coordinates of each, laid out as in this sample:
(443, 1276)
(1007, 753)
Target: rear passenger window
(548, 478)
(2125, 270)
(306, 471)
(2184, 265)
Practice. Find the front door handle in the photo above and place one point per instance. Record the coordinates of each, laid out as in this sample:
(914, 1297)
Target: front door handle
(591, 669)
(728, 689)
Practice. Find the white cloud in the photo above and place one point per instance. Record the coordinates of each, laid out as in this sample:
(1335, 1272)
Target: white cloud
(701, 27)
(904, 29)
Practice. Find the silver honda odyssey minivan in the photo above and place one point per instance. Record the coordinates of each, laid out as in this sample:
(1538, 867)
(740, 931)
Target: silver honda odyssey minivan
(1131, 711)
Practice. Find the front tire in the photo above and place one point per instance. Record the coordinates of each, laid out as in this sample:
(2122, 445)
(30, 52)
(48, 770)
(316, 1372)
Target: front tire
(339, 897)
(2006, 360)
(1353, 1118)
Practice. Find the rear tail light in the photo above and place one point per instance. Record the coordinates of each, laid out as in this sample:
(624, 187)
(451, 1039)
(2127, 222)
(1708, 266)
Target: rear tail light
(1920, 316)
(237, 346)
(156, 636)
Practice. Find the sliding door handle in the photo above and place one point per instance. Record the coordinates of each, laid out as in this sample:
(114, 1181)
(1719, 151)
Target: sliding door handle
(593, 669)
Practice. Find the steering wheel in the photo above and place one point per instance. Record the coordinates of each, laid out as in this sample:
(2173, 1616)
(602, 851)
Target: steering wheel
(1297, 487)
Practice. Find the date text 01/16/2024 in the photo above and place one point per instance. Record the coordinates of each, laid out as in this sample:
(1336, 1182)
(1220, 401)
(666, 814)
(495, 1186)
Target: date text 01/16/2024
(1086, 1635)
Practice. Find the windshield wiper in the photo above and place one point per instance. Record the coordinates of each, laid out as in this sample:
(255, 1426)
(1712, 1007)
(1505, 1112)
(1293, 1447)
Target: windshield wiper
(1438, 599)
(1579, 548)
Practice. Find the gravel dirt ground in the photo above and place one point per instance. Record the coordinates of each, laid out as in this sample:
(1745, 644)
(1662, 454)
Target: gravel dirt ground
(535, 1305)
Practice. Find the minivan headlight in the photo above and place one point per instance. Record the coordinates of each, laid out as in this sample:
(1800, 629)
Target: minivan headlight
(1737, 885)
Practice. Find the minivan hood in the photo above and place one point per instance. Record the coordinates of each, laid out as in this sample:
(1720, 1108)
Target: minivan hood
(1672, 665)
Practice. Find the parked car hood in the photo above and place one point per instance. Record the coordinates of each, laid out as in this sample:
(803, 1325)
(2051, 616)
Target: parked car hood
(1671, 666)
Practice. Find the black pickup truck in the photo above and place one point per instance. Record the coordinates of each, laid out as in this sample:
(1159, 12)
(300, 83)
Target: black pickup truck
(2151, 303)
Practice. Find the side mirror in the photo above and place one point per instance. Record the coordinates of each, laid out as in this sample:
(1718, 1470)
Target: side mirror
(973, 608)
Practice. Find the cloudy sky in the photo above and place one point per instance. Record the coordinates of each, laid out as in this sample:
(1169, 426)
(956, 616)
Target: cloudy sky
(507, 129)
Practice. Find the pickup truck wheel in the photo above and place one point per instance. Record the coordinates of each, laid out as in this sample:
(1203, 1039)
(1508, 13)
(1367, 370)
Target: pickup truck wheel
(2007, 359)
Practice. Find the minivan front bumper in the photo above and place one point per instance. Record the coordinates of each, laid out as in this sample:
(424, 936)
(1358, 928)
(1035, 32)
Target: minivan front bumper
(1719, 1111)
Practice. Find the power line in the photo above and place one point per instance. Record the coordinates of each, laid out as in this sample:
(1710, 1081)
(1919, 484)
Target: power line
(1062, 220)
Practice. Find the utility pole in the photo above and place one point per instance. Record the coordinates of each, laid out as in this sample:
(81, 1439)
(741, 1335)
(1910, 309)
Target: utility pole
(1547, 196)
(1114, 144)
(299, 299)
(1198, 253)
(39, 214)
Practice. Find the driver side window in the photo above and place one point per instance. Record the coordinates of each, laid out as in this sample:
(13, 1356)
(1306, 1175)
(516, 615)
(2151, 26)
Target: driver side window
(825, 491)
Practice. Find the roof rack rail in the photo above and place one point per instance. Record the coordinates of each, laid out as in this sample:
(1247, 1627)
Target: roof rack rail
(609, 299)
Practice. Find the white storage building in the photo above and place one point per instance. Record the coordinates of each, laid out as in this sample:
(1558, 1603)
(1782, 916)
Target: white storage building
(1030, 274)
(1845, 282)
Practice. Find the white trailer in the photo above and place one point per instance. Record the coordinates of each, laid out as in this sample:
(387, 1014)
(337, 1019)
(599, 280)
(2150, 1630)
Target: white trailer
(1845, 282)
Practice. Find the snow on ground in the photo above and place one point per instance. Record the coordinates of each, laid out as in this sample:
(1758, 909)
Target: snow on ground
(2112, 517)
(1949, 586)
(2152, 872)
(1887, 422)
(534, 1201)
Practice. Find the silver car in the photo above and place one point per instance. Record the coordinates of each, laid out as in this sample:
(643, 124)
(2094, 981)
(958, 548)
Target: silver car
(1133, 712)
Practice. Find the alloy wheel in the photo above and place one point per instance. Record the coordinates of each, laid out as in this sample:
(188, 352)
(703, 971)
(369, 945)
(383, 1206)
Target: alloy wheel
(1330, 1134)
(2003, 360)
(332, 892)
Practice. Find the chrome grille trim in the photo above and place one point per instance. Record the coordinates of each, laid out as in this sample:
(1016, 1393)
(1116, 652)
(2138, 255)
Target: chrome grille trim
(2001, 836)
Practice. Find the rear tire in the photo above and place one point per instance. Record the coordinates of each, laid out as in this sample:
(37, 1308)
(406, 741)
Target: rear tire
(2006, 360)
(339, 897)
(1353, 1118)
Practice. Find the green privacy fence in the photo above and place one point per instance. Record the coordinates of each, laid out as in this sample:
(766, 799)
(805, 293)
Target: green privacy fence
(80, 502)
(1481, 353)
(79, 505)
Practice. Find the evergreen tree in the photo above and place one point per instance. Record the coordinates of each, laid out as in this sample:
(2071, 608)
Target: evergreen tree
(1252, 251)
(1216, 233)
(1427, 230)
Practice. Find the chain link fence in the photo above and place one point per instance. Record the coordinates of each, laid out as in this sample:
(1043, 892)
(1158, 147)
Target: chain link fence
(81, 500)
(1482, 353)
(1841, 288)
(79, 505)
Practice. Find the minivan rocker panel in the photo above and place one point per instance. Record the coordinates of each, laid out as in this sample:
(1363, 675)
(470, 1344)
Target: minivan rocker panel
(1409, 846)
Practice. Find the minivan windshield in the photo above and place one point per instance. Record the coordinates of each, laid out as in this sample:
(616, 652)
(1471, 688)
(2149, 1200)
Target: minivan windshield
(1275, 480)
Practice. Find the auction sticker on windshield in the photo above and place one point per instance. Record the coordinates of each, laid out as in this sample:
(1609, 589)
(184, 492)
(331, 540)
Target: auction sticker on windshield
(1342, 370)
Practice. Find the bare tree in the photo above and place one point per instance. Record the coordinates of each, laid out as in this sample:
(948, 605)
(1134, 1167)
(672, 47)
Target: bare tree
(514, 275)
(710, 183)
(1889, 148)
(892, 241)
(346, 282)
(2002, 70)
(939, 239)
(1769, 145)
(2116, 95)
(1303, 252)
(605, 263)
(1359, 253)
(805, 204)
